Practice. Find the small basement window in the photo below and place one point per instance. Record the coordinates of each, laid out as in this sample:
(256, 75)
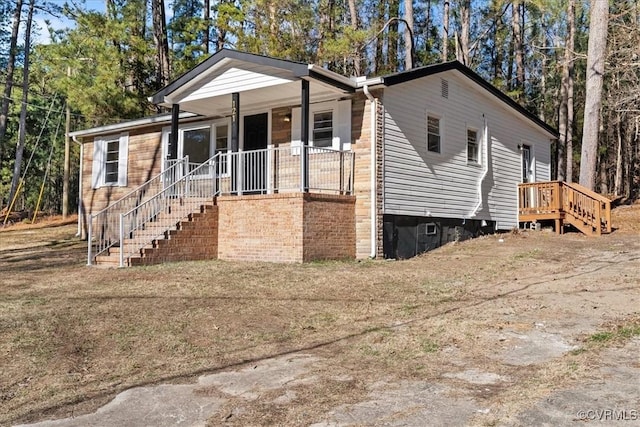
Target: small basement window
(430, 229)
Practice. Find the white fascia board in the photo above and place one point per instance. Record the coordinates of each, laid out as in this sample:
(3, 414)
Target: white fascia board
(128, 125)
(330, 74)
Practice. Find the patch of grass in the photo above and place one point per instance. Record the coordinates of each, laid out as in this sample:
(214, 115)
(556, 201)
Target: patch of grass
(409, 309)
(70, 333)
(531, 254)
(619, 333)
(601, 337)
(429, 346)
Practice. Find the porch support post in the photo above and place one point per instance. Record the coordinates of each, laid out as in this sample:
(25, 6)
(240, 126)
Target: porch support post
(235, 122)
(173, 140)
(236, 168)
(304, 138)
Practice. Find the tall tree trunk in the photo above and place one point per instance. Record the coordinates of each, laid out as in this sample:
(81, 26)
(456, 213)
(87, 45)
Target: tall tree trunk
(409, 49)
(326, 25)
(543, 70)
(379, 59)
(273, 26)
(207, 25)
(160, 38)
(8, 87)
(465, 30)
(596, 52)
(518, 47)
(445, 31)
(22, 132)
(631, 137)
(571, 40)
(565, 157)
(221, 33)
(604, 181)
(617, 182)
(394, 36)
(357, 57)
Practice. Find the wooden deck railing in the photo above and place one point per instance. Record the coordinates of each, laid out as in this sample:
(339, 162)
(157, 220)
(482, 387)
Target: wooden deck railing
(586, 208)
(564, 202)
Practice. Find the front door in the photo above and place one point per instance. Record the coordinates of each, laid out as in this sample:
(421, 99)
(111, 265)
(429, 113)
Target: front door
(255, 139)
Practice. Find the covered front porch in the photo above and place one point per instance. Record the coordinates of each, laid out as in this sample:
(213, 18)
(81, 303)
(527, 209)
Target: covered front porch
(260, 170)
(280, 111)
(236, 192)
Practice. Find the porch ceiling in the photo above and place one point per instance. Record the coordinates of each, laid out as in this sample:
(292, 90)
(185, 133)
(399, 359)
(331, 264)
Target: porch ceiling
(259, 99)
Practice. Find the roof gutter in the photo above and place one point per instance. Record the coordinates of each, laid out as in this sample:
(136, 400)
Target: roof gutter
(485, 166)
(80, 168)
(374, 144)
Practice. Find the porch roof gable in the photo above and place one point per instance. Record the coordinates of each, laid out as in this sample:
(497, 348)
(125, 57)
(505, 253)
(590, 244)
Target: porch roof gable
(229, 71)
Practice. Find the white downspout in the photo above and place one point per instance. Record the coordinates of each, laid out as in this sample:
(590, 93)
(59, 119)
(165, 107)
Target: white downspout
(485, 166)
(79, 233)
(374, 202)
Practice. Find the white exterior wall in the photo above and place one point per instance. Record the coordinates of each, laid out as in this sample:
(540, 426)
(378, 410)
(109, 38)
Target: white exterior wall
(422, 183)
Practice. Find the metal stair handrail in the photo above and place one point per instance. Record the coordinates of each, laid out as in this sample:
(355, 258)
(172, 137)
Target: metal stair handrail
(167, 208)
(103, 227)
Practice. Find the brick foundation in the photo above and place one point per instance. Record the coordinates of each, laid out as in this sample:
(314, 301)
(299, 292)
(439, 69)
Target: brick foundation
(195, 239)
(292, 227)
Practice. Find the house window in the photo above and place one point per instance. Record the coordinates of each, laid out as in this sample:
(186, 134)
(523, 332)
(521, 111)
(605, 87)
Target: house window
(329, 126)
(323, 129)
(110, 160)
(472, 146)
(200, 141)
(433, 134)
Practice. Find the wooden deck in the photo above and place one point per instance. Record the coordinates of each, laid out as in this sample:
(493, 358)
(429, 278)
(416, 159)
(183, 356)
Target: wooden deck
(564, 203)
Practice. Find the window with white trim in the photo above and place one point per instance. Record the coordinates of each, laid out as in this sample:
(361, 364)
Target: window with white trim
(110, 160)
(323, 129)
(200, 141)
(433, 133)
(472, 147)
(329, 126)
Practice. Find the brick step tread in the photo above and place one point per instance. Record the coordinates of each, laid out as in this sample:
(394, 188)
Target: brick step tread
(165, 228)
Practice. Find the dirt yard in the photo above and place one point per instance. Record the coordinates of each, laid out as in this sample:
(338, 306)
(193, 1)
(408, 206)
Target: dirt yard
(523, 328)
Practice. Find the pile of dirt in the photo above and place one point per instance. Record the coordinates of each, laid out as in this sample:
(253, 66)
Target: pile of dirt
(626, 218)
(23, 221)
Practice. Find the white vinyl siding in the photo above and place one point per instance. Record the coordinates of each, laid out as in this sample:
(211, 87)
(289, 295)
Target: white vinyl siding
(419, 183)
(110, 153)
(239, 80)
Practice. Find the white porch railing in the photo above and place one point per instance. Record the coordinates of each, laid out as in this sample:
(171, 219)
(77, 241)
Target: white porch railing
(278, 170)
(161, 213)
(148, 212)
(104, 227)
